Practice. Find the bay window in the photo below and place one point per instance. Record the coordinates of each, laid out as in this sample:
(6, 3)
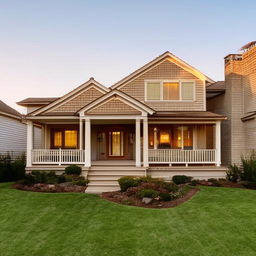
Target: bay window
(181, 90)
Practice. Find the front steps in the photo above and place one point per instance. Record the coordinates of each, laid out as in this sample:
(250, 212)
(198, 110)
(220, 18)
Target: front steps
(105, 178)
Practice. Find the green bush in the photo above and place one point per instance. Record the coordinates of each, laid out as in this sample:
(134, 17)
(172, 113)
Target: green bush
(11, 170)
(181, 179)
(233, 173)
(194, 182)
(170, 186)
(61, 179)
(127, 182)
(165, 197)
(148, 193)
(81, 182)
(73, 170)
(215, 182)
(29, 179)
(249, 168)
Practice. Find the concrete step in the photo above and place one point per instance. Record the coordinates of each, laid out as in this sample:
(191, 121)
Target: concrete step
(99, 190)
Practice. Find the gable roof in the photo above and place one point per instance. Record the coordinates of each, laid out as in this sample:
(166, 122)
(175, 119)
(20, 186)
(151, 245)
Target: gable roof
(8, 111)
(158, 60)
(126, 98)
(67, 96)
(37, 101)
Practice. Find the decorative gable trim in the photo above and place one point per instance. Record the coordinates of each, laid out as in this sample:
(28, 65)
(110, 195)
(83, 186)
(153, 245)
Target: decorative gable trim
(121, 96)
(152, 64)
(69, 96)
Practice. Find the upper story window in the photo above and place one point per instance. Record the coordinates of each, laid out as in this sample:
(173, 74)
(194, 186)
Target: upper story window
(170, 90)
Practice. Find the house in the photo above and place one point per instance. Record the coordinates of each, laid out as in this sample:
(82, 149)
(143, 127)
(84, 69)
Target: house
(13, 131)
(154, 121)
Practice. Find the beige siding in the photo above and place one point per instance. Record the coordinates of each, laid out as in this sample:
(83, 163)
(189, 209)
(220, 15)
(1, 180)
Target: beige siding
(166, 71)
(250, 128)
(114, 106)
(79, 101)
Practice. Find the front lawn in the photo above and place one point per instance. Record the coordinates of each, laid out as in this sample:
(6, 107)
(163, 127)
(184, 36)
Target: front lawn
(216, 221)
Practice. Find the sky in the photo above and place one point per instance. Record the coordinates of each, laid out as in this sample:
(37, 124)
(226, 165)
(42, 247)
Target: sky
(48, 48)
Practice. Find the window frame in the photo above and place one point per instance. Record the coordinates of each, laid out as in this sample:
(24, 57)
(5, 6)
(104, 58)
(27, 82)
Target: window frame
(162, 81)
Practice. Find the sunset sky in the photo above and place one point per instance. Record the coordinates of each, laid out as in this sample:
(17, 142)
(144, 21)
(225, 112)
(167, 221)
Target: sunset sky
(50, 47)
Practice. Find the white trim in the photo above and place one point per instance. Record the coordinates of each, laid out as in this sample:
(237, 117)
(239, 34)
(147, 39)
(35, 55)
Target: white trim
(29, 143)
(51, 117)
(10, 115)
(218, 143)
(145, 142)
(136, 104)
(109, 117)
(81, 87)
(137, 143)
(172, 58)
(182, 122)
(80, 134)
(87, 143)
(162, 81)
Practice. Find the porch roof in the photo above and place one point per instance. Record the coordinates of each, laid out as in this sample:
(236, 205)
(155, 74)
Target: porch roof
(188, 115)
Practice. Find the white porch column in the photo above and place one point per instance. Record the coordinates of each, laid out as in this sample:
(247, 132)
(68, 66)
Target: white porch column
(218, 143)
(137, 143)
(145, 142)
(29, 143)
(87, 143)
(81, 134)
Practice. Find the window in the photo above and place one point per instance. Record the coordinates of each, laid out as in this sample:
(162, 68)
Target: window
(170, 90)
(70, 138)
(171, 136)
(153, 91)
(187, 90)
(57, 141)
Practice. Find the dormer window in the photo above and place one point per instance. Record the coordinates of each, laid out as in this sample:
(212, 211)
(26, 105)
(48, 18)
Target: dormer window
(179, 90)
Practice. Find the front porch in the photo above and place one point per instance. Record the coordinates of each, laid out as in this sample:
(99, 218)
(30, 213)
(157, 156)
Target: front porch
(139, 141)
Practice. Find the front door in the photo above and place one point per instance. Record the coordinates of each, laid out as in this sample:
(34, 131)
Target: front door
(116, 144)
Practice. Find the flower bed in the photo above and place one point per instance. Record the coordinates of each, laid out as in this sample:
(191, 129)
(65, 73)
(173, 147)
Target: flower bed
(70, 181)
(150, 193)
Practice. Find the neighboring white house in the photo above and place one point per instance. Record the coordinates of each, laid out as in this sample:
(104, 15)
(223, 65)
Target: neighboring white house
(13, 132)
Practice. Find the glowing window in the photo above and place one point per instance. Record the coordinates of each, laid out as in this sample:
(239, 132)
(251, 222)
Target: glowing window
(171, 91)
(70, 139)
(57, 142)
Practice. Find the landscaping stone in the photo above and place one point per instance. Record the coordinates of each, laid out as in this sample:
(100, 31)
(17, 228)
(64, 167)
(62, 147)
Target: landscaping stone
(147, 200)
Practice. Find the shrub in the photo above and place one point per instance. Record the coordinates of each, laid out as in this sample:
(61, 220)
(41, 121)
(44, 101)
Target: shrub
(127, 182)
(181, 179)
(73, 170)
(80, 181)
(194, 182)
(18, 169)
(165, 197)
(215, 182)
(148, 193)
(170, 186)
(233, 173)
(249, 168)
(29, 179)
(61, 179)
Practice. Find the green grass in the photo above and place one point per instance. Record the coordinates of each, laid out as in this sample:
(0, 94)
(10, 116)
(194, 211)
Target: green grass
(216, 221)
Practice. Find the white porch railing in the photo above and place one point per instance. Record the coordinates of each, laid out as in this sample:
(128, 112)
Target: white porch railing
(57, 156)
(176, 156)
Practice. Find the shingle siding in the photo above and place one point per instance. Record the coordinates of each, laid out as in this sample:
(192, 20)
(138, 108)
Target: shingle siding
(79, 101)
(166, 71)
(114, 106)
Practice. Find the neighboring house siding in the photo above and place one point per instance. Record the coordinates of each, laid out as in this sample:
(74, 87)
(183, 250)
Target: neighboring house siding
(79, 101)
(166, 71)
(114, 106)
(12, 135)
(250, 129)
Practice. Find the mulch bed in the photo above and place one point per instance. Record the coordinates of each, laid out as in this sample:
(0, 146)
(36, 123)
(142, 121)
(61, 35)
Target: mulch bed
(51, 188)
(122, 198)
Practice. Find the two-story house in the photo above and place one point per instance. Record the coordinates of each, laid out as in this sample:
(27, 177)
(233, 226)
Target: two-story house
(154, 121)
